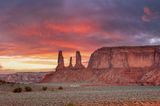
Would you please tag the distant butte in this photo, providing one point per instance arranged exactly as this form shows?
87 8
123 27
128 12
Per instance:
130 65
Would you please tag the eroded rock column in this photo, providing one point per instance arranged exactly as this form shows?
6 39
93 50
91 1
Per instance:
78 64
60 61
70 63
157 58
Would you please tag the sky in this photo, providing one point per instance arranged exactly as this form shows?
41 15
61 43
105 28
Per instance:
33 31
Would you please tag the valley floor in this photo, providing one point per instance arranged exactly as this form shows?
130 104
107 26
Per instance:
76 95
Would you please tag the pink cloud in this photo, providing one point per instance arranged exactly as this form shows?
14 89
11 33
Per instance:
149 15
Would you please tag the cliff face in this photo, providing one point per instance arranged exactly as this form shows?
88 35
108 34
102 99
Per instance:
115 66
125 57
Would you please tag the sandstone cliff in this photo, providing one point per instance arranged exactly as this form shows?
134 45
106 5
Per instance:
125 57
115 66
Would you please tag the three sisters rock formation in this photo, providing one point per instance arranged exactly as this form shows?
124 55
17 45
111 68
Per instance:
112 65
77 66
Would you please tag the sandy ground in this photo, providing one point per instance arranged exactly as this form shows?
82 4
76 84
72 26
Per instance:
81 96
123 104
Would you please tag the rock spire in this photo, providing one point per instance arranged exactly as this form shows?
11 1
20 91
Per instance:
60 61
78 64
70 63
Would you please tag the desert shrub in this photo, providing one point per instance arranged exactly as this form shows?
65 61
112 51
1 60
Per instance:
17 90
2 82
44 88
60 88
28 89
70 104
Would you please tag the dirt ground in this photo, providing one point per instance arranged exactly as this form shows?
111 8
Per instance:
78 95
136 103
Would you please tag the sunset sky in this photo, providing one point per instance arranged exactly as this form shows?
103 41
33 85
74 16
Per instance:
32 31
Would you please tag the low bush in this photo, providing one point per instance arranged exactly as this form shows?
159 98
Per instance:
70 104
17 90
28 89
44 88
2 82
60 88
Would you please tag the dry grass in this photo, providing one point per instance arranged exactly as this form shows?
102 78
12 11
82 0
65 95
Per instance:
84 96
140 103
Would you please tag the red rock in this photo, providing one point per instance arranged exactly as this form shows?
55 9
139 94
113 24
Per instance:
151 78
70 64
115 66
78 64
60 61
125 57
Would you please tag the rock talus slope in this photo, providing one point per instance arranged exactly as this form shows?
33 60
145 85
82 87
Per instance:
115 66
23 77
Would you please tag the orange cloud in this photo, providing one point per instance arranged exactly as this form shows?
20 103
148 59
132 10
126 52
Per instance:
49 28
71 28
1 67
28 30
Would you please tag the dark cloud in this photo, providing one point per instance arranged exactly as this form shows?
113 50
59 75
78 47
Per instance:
42 26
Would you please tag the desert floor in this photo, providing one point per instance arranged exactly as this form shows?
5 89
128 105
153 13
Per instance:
78 95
